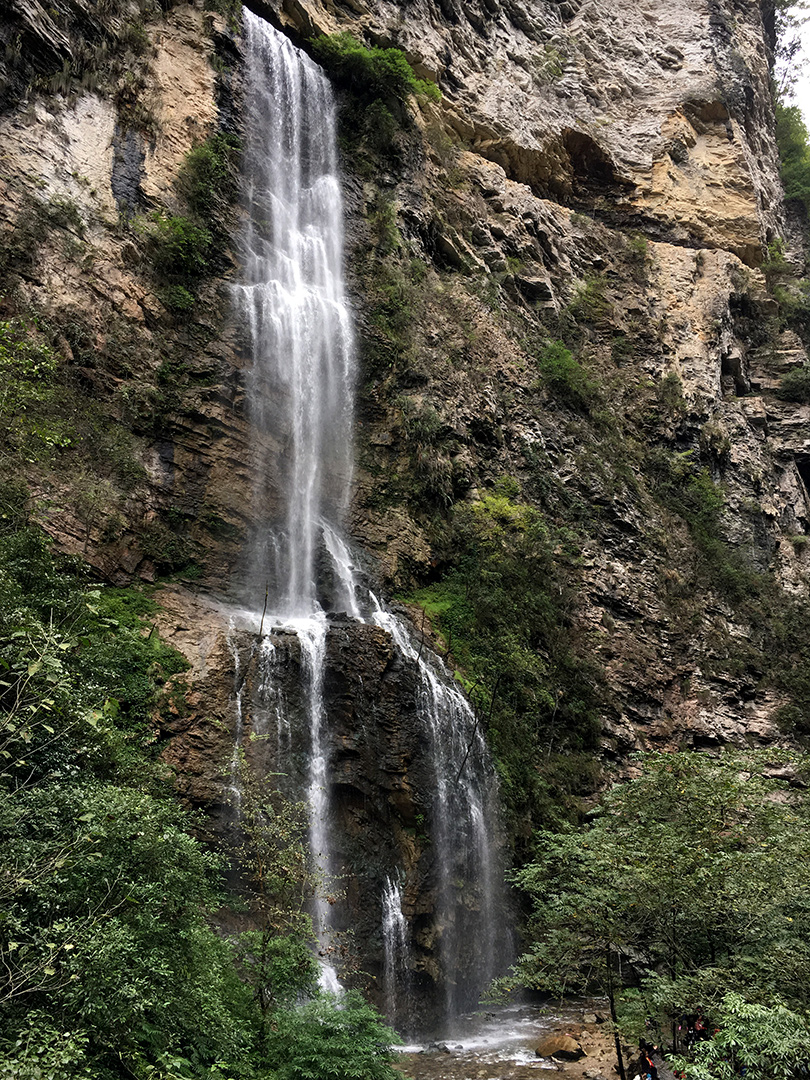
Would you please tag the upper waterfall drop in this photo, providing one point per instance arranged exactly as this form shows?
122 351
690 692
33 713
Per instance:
300 384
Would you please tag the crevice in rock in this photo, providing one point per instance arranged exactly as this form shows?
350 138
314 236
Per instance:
127 170
803 469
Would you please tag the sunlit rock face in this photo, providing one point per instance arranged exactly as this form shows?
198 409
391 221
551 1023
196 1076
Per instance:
662 110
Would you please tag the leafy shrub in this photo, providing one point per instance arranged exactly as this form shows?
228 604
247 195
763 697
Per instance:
566 378
230 9
383 223
31 421
209 178
795 386
590 303
394 291
793 297
185 248
637 255
775 263
687 488
169 549
342 1039
179 247
380 127
794 150
547 64
370 72
670 393
176 298
432 468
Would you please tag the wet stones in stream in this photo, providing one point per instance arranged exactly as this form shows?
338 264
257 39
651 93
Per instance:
503 1045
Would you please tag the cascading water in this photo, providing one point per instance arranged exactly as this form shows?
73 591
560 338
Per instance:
301 375
465 811
292 302
299 568
395 944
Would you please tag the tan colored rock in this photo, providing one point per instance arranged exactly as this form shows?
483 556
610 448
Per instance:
182 98
560 1047
704 192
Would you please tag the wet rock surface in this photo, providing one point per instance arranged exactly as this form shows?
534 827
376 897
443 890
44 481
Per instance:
382 773
499 1043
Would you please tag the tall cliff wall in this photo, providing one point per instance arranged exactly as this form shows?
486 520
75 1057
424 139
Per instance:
606 180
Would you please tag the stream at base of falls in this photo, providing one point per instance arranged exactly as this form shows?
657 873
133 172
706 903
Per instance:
498 1043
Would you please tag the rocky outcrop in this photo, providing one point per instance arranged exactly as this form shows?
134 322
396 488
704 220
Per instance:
76 169
634 149
662 117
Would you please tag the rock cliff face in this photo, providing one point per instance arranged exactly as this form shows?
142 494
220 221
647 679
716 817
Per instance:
608 177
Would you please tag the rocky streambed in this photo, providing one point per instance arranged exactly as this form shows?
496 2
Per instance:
501 1044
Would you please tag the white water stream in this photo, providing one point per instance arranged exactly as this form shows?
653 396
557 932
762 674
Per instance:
292 302
300 390
395 944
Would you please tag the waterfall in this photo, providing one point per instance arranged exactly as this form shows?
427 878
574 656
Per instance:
300 378
465 808
395 946
292 302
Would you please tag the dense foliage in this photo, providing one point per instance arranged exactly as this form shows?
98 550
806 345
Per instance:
794 150
502 608
795 386
185 248
370 72
685 892
375 85
565 376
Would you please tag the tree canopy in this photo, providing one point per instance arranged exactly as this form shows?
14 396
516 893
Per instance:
687 890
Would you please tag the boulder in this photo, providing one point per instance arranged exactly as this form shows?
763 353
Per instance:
561 1047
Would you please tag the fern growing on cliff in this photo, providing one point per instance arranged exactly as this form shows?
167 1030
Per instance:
370 73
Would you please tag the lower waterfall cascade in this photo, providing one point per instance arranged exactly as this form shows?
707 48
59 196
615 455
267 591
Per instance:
427 901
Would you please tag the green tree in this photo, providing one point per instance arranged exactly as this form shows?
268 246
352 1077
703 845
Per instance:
794 151
109 964
340 1038
106 928
276 958
766 1042
689 882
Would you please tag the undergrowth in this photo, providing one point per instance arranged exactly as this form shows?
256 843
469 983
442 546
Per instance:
503 607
